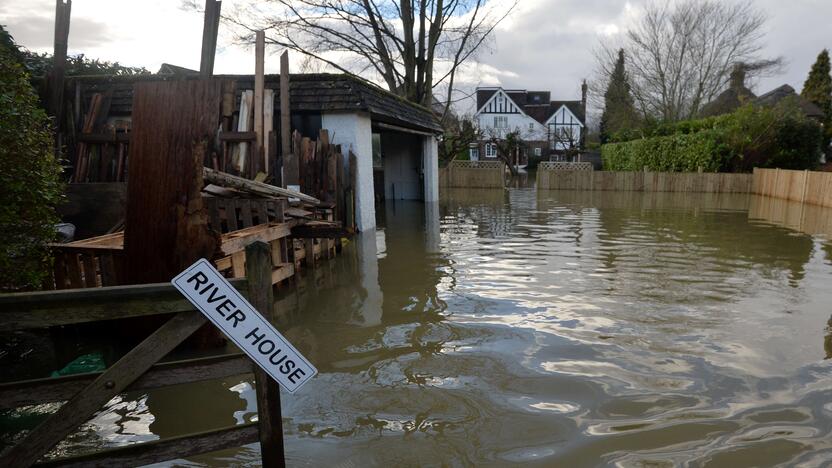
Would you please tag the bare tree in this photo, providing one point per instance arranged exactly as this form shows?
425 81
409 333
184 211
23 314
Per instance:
566 142
680 55
509 147
412 45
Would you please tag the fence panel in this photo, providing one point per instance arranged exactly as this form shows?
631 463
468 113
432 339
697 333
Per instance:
801 186
476 174
638 181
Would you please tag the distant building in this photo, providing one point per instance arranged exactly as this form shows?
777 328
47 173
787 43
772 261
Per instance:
738 95
549 128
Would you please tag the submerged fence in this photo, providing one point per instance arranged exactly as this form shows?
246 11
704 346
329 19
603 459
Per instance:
638 181
473 174
139 369
810 187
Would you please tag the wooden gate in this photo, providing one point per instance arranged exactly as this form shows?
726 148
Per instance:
138 369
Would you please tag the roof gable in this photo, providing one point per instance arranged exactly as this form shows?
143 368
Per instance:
563 113
500 102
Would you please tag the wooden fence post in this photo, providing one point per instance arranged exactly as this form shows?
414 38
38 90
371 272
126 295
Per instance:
270 419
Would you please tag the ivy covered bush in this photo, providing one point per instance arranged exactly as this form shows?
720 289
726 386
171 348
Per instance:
752 136
30 186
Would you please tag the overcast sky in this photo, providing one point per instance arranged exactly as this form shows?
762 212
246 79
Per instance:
543 45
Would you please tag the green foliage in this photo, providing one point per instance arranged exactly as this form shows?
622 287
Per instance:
457 139
619 108
41 64
779 136
674 153
29 179
818 89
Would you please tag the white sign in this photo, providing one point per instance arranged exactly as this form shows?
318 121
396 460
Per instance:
203 285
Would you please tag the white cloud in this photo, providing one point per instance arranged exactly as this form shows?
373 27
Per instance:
543 44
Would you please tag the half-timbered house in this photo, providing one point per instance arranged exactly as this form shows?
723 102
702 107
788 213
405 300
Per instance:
553 129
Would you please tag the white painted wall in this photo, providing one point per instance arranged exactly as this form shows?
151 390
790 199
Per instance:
354 131
430 166
529 128
563 118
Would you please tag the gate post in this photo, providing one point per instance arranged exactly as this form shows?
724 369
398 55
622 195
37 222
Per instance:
270 419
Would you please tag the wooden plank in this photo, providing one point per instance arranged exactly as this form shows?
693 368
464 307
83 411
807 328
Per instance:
90 274
241 150
166 449
231 214
40 309
238 240
73 266
210 28
282 271
109 275
238 264
270 420
245 212
258 188
290 161
298 212
309 250
236 137
268 131
166 225
318 230
109 384
259 88
53 389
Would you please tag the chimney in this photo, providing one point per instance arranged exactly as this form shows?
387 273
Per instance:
738 76
583 94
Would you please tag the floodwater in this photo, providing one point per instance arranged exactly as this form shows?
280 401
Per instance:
546 329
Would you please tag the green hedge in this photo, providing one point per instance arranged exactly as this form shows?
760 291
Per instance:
750 137
29 178
675 153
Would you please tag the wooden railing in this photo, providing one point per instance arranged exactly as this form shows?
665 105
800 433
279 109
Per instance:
138 369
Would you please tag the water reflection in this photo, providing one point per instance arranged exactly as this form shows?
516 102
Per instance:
503 327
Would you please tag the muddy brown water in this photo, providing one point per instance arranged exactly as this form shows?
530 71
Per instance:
556 329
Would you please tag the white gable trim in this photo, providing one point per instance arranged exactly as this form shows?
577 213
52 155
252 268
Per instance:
574 119
510 106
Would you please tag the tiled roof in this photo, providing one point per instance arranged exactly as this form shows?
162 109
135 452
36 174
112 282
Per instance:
308 92
773 97
541 113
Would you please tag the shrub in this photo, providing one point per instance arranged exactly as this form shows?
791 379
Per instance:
779 136
29 179
675 153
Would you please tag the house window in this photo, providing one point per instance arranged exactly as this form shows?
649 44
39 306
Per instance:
537 151
531 126
474 154
500 121
490 150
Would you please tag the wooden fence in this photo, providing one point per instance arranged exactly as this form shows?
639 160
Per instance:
473 174
137 370
638 181
810 187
